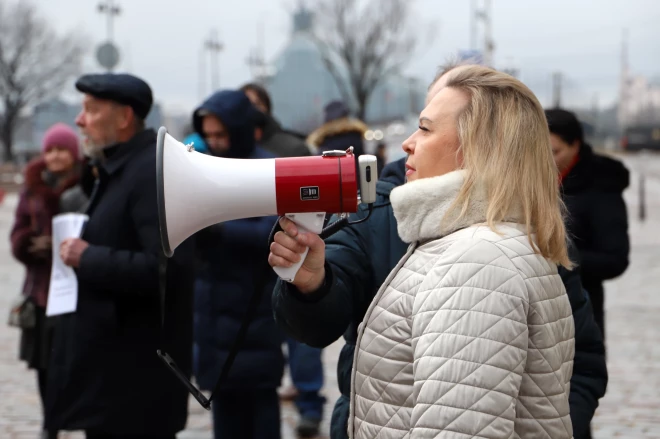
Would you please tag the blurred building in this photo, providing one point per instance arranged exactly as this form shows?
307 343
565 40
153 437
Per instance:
301 84
641 104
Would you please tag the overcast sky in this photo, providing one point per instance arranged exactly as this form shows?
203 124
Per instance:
160 40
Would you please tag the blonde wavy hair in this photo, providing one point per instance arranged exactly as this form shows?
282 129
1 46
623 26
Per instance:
505 143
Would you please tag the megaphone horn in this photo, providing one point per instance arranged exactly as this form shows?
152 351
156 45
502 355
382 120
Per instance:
197 190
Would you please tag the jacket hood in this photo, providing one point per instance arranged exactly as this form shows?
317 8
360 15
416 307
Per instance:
335 128
237 114
597 171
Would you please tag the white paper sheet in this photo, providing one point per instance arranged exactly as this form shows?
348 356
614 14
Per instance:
63 289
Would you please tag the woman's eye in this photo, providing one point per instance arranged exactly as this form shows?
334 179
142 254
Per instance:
423 128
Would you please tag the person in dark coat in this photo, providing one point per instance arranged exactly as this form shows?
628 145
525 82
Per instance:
273 137
106 377
339 132
358 258
232 257
592 188
305 362
47 177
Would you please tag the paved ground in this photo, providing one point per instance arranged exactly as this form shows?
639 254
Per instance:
631 408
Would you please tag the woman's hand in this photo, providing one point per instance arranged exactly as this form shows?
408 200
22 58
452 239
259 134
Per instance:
40 245
287 249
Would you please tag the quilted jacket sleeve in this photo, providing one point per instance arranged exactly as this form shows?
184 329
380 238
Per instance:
469 339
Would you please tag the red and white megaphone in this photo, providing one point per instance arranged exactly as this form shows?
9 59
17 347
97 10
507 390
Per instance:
196 190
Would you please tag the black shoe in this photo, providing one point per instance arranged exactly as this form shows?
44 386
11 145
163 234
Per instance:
48 434
308 427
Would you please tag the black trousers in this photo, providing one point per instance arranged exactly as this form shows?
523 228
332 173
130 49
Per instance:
246 414
42 380
598 304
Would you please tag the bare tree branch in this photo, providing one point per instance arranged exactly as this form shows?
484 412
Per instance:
35 63
370 39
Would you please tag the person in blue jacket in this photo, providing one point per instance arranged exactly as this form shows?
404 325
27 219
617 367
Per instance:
232 258
358 258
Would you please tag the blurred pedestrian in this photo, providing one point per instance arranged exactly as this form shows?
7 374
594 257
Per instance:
46 178
592 188
305 363
274 138
339 131
106 377
231 260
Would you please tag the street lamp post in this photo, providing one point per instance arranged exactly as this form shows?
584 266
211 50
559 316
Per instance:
214 46
107 53
112 9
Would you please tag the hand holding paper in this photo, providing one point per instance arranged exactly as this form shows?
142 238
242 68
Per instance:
71 250
66 248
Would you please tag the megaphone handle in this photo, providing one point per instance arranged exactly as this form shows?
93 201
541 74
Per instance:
306 223
288 274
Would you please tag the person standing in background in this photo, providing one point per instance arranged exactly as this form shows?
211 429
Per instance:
231 269
305 362
274 138
106 377
339 132
592 188
46 178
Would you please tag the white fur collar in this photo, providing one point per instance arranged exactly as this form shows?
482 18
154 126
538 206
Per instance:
420 207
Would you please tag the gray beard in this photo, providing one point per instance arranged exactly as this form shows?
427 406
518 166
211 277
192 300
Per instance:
95 151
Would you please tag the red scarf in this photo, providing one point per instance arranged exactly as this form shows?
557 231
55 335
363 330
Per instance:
563 174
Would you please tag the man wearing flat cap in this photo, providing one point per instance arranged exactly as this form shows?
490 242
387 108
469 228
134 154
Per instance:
107 378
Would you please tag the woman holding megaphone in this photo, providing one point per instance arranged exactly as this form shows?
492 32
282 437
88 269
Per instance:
472 332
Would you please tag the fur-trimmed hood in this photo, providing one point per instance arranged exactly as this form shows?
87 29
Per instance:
336 127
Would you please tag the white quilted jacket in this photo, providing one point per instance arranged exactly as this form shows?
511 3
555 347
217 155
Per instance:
470 336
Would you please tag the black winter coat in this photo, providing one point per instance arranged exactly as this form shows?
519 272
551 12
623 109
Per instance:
233 263
233 259
359 258
280 142
598 220
105 375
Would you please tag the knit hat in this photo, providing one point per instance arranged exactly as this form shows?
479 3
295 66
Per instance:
63 136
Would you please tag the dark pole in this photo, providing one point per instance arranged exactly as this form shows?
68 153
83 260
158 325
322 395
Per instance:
642 197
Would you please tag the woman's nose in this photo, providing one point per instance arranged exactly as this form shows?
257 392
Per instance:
408 145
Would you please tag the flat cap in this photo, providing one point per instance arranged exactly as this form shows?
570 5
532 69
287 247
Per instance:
119 87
